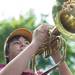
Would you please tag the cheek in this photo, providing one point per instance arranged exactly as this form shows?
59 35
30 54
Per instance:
14 50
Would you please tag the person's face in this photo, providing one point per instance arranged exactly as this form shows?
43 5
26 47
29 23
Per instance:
16 46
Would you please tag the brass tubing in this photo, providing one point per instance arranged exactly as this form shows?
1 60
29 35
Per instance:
61 60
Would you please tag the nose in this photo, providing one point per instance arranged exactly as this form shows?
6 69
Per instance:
22 46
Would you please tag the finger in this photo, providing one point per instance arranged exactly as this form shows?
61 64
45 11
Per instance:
43 28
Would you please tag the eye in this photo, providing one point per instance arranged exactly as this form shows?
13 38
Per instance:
27 42
16 42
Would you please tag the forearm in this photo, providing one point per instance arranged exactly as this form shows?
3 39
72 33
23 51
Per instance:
19 63
63 67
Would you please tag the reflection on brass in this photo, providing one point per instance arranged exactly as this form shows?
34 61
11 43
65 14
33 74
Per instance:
67 16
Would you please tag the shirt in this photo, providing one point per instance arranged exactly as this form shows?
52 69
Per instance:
24 73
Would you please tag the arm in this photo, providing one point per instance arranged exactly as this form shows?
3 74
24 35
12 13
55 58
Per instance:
19 63
63 67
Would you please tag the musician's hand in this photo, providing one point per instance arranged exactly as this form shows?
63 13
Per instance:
54 45
40 34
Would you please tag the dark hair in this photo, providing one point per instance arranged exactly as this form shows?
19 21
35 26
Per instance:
6 52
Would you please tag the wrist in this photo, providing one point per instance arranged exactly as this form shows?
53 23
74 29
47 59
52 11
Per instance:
36 43
56 57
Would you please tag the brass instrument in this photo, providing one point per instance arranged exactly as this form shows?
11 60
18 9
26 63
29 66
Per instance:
65 23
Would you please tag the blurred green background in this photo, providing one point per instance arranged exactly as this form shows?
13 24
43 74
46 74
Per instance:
29 22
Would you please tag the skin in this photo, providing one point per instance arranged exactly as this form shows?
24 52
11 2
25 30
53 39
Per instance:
17 46
63 67
19 64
